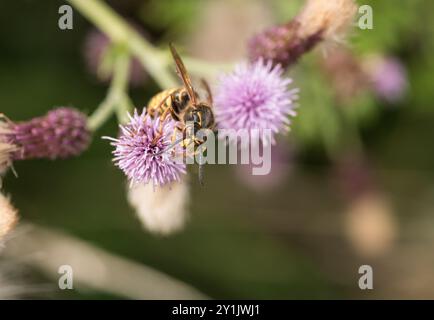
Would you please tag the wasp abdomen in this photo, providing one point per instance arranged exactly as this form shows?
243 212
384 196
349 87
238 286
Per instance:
161 102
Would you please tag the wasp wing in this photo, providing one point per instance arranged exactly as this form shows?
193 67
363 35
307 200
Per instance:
182 72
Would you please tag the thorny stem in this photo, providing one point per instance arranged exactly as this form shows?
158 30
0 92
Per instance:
157 62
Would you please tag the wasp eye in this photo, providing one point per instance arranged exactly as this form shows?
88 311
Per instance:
185 98
190 116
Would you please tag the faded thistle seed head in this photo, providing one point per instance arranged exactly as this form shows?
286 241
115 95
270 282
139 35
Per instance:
161 210
8 216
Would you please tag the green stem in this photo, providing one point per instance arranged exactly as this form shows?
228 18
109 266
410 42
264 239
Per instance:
154 60
116 99
120 32
125 106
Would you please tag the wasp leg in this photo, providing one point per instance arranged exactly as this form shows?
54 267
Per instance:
175 133
165 112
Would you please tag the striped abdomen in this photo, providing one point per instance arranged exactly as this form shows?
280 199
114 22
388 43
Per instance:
156 106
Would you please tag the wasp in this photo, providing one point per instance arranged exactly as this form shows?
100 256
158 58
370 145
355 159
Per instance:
184 105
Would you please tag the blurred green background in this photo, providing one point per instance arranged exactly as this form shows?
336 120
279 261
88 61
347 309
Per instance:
289 241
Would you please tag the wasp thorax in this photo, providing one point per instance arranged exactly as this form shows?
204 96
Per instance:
180 101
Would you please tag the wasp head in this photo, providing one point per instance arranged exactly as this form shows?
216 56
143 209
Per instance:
201 116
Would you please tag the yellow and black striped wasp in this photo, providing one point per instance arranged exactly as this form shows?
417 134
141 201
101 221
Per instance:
184 105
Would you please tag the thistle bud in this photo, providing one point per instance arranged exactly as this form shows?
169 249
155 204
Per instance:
61 133
282 44
319 20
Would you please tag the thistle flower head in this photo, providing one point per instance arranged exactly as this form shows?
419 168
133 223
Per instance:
61 133
255 96
136 150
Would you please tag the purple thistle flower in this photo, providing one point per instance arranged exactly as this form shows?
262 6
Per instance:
62 133
255 96
136 148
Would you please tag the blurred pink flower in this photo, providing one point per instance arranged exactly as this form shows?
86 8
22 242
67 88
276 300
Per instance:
281 167
389 78
95 47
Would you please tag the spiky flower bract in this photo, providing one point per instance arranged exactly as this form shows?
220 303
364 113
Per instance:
136 150
281 44
255 97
